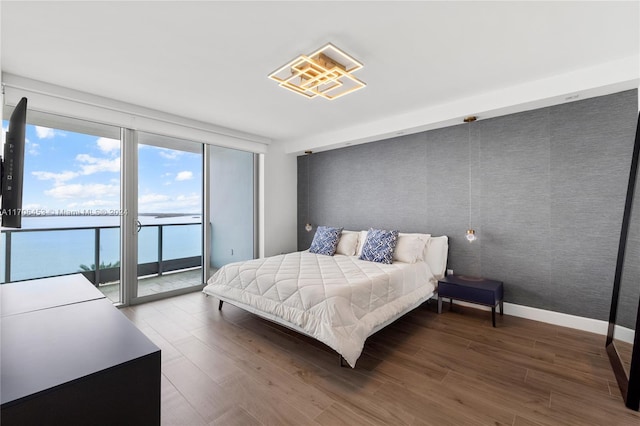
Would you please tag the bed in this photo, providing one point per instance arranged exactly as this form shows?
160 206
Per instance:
337 299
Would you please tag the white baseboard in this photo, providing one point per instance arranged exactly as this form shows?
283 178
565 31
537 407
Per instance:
558 318
624 334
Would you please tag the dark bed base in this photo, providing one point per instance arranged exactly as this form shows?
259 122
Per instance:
341 360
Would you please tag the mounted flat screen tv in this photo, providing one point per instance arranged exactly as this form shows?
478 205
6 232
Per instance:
12 167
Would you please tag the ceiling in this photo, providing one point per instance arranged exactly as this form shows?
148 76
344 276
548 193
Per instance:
209 60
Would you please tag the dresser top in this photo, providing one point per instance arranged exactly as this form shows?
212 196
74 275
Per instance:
33 295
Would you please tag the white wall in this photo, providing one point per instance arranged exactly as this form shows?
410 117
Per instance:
278 223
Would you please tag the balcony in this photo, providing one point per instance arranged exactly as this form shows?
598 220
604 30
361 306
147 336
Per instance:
169 256
156 284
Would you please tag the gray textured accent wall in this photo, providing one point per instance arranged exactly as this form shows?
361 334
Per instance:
544 190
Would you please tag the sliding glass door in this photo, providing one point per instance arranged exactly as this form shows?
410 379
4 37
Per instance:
181 186
71 204
169 216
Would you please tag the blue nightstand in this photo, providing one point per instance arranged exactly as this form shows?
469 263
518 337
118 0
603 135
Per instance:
472 289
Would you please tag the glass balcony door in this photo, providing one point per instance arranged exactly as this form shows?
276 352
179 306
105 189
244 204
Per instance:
71 205
169 216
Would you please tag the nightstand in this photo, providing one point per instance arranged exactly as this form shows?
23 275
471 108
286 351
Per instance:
477 290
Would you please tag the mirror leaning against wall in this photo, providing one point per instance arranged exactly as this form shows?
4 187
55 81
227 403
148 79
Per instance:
623 336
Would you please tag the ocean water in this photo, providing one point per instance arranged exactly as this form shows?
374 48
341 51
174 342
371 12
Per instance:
38 251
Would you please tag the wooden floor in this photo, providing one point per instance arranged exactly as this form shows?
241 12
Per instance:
231 368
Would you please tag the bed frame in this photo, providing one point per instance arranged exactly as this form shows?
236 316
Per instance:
294 327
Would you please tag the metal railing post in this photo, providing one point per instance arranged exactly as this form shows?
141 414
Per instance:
96 257
160 227
7 257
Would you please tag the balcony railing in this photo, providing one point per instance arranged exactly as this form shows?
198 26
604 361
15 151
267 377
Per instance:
46 252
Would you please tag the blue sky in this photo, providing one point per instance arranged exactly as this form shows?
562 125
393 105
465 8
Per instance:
77 172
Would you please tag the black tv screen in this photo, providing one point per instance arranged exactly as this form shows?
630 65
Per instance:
13 166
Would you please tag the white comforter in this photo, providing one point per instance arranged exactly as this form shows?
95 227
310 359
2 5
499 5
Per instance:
339 300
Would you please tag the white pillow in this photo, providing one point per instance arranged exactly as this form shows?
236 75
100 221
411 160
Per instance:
436 255
362 237
348 243
410 247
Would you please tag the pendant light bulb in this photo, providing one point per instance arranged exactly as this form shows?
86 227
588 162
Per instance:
471 235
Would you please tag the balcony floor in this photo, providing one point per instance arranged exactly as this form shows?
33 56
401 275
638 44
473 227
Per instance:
156 284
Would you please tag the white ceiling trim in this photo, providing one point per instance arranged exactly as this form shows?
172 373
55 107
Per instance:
53 99
607 78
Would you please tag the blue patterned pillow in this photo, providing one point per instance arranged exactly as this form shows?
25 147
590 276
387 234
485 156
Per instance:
325 240
379 246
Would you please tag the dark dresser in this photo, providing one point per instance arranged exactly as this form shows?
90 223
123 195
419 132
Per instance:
69 357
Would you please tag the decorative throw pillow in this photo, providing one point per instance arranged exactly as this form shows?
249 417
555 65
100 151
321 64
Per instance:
325 240
379 246
348 243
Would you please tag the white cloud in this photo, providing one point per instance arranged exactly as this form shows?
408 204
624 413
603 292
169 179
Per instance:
152 198
86 158
44 132
32 206
95 165
83 191
108 145
154 203
94 205
58 178
169 154
97 203
186 175
32 148
189 200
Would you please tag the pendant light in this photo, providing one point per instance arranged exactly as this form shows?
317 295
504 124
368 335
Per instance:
471 233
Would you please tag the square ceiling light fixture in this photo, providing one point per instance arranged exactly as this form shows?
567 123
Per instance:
327 72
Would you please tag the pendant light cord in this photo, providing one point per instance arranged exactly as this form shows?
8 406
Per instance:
471 235
469 143
307 225
308 187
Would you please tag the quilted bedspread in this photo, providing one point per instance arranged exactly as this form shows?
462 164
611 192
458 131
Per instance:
339 300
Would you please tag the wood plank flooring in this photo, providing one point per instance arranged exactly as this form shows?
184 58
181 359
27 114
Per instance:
230 367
